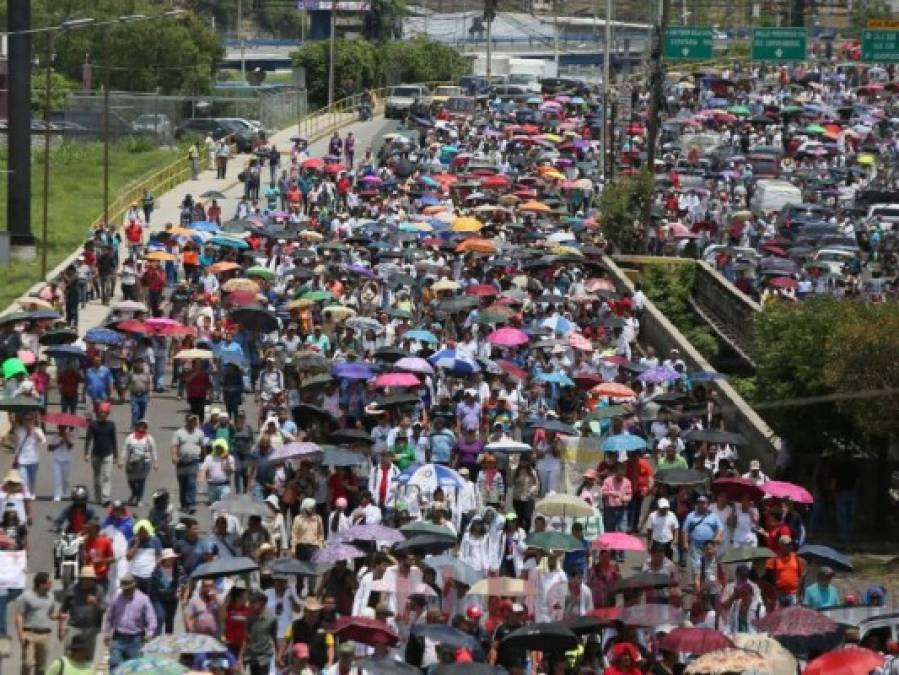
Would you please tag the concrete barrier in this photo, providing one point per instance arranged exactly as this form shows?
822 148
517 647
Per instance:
739 416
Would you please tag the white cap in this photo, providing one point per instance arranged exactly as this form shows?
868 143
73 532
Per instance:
518 607
663 503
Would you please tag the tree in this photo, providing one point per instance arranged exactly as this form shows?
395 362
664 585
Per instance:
60 86
621 206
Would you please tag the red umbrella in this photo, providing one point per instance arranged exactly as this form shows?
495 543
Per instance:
312 163
692 640
609 614
784 490
336 167
774 249
133 326
481 290
784 282
735 487
845 661
496 181
242 298
587 380
618 541
365 630
796 621
615 359
598 284
172 331
65 420
513 370
529 129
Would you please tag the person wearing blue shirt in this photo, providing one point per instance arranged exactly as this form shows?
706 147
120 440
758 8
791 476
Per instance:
98 382
700 526
576 561
822 594
441 442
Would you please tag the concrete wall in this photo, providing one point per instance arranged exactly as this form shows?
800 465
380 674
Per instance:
658 331
727 305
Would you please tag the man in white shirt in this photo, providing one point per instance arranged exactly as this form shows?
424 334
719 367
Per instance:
662 527
755 473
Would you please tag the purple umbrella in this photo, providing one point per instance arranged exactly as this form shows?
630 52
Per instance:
334 552
295 449
659 374
374 180
564 161
354 370
414 364
279 214
373 533
362 271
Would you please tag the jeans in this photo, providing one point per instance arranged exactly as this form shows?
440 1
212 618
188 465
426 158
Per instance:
137 485
844 507
69 404
102 470
187 486
62 469
107 288
138 408
524 508
217 491
9 596
124 648
614 518
166 609
29 473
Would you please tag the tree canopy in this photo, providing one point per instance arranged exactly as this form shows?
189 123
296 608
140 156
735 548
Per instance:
621 207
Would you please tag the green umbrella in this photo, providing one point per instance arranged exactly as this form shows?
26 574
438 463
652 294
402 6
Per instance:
13 367
747 554
814 129
738 110
424 527
554 541
317 296
489 318
316 381
400 314
332 246
789 109
261 272
18 404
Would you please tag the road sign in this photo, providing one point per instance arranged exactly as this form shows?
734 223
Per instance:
689 42
779 44
880 46
888 24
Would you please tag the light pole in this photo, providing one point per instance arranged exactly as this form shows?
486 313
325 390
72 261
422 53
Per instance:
48 71
332 52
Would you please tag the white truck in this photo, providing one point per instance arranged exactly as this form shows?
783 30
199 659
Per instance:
529 72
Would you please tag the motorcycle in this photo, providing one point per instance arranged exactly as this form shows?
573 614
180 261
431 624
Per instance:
67 557
364 112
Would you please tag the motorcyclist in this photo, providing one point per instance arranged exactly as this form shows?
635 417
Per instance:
73 517
365 103
162 516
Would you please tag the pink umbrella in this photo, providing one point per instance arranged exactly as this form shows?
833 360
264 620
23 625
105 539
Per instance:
414 364
783 490
162 321
618 541
578 341
679 230
508 337
397 380
26 356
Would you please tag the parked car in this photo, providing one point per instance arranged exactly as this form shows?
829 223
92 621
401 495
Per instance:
512 92
218 128
402 97
153 123
833 259
443 93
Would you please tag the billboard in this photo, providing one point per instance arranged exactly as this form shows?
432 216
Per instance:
327 5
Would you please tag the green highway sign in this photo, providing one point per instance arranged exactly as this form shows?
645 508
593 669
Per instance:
779 44
689 42
880 46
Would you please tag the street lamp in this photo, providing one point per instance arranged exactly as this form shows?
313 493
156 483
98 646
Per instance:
74 24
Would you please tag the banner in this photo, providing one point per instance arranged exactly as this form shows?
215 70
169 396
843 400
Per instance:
13 565
342 5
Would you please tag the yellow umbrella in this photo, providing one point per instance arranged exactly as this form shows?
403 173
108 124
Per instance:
563 505
445 285
554 175
501 586
566 250
534 207
553 138
476 246
339 312
727 661
240 284
865 159
466 224
161 256
191 354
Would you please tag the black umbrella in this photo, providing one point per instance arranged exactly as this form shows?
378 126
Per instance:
44 314
254 318
342 458
715 436
668 398
66 352
350 437
398 400
551 298
15 317
457 304
680 477
555 425
391 354
224 567
442 634
426 543
384 666
305 410
213 194
544 637
19 404
642 580
60 336
473 668
584 625
824 555
294 567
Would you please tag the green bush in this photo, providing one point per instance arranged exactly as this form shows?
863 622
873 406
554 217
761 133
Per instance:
621 207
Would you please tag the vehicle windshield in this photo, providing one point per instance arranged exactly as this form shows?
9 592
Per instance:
460 104
522 78
406 92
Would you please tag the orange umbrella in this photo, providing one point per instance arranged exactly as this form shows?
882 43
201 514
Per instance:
161 256
476 246
445 178
182 232
431 210
535 207
613 390
224 266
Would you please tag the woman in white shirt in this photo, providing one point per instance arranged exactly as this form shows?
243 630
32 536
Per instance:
61 445
475 548
29 442
746 519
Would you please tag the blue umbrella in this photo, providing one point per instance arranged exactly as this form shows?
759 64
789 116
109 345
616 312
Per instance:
706 376
430 200
623 443
556 378
428 477
229 242
204 226
352 371
103 336
449 361
430 182
362 270
825 555
559 324
421 335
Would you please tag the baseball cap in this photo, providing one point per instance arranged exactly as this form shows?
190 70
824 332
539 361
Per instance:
663 503
517 607
511 515
755 465
702 498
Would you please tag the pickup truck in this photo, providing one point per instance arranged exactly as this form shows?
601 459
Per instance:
445 92
402 98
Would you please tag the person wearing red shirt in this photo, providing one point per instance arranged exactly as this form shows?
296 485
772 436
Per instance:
154 280
639 473
343 483
624 660
97 551
214 213
196 385
68 380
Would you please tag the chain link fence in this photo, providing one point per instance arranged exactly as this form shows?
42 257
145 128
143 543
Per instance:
163 120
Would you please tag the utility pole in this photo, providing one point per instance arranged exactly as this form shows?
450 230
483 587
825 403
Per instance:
656 95
556 34
106 83
332 52
489 16
45 202
243 60
18 177
606 75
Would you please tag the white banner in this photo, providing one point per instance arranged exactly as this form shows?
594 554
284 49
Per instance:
13 565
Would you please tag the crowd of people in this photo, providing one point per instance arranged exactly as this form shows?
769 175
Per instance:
424 423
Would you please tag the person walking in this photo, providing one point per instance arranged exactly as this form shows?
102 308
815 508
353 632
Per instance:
222 154
197 384
165 586
29 443
83 606
187 446
37 617
193 155
61 444
101 450
129 620
139 452
148 203
140 382
216 471
98 382
262 636
79 659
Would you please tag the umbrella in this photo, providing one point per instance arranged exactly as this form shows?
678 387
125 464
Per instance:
241 505
350 436
364 323
416 528
728 661
425 543
156 665
19 404
507 445
801 629
414 364
12 367
623 443
253 318
60 336
556 378
554 541
66 352
373 532
397 380
65 420
384 666
503 586
364 630
747 554
613 390
442 634
641 581
224 567
183 643
651 615
103 336
554 425
845 661
462 668
453 568
316 380
303 411
680 477
225 241
240 284
544 637
31 303
294 567
334 552
421 336
342 458
780 661
448 360
564 506
260 272
508 337
161 256
735 487
824 555
784 490
715 436
618 541
693 640
658 375
191 354
354 370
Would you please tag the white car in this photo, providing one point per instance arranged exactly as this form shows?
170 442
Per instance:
834 259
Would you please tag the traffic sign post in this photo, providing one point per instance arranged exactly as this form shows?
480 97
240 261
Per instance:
684 43
779 44
880 46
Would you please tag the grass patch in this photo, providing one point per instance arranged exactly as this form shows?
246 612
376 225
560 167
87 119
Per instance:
76 199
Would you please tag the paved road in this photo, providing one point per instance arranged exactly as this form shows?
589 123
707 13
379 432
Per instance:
165 412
